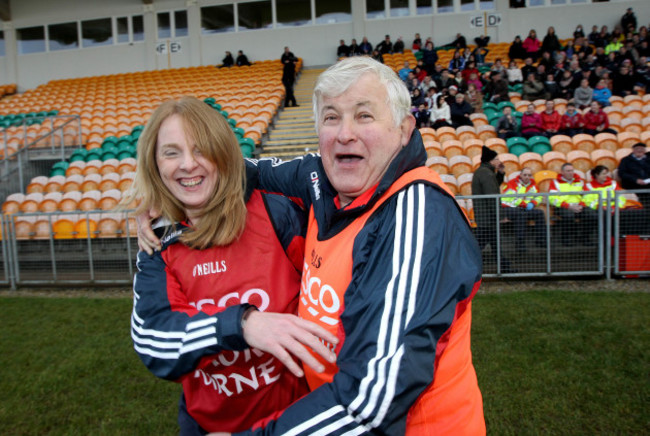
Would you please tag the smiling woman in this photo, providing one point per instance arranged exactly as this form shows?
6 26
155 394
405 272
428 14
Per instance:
225 252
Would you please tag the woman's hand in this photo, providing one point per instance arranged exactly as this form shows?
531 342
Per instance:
147 240
284 335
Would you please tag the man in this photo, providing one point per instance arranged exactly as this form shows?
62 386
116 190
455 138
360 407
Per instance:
460 111
628 21
497 88
487 180
385 47
343 51
398 47
242 59
404 72
572 122
571 207
634 171
507 125
288 76
387 238
521 210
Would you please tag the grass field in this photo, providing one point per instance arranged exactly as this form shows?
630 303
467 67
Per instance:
548 362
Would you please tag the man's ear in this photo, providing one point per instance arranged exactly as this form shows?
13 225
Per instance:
406 127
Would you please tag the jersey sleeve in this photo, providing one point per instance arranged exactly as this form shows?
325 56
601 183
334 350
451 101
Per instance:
171 342
295 178
290 224
416 267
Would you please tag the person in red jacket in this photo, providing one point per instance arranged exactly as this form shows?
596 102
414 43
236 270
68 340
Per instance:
520 210
596 120
572 122
551 119
531 123
223 249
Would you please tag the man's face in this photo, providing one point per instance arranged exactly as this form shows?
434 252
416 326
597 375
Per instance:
358 137
638 151
567 172
525 176
507 110
549 106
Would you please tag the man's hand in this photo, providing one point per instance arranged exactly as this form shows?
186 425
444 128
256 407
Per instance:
282 335
575 208
147 240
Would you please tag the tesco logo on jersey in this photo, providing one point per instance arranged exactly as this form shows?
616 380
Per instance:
255 296
320 298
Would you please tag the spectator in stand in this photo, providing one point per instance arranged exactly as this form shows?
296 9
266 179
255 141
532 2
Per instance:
514 74
623 81
430 97
422 116
533 89
531 123
417 42
227 61
419 73
354 47
376 55
416 99
497 88
385 47
602 181
365 48
470 67
459 43
521 210
571 207
289 61
398 47
413 82
642 76
579 32
551 44
532 45
566 85
474 96
343 51
481 51
596 120
551 119
487 180
602 93
613 46
457 63
507 125
517 50
572 121
242 60
634 171
460 111
429 57
594 36
628 20
528 67
404 72
440 115
547 61
498 67
551 86
451 93
583 94
446 79
643 49
426 84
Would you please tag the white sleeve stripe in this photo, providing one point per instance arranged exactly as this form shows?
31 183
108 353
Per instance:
156 354
315 420
419 249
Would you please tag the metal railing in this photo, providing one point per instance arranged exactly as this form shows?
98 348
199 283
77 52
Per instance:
78 248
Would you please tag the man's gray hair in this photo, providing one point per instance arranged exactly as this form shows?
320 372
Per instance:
339 77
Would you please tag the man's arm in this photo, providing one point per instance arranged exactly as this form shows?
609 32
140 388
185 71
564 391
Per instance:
416 267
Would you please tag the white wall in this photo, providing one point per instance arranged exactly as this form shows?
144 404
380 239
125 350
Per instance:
315 44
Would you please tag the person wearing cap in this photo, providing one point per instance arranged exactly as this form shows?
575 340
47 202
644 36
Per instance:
497 88
634 171
487 180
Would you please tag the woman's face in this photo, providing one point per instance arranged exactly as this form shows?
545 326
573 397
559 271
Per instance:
594 107
602 176
190 177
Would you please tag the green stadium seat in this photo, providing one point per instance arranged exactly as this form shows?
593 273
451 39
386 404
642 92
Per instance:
517 145
503 104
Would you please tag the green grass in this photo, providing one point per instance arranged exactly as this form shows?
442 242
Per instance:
548 363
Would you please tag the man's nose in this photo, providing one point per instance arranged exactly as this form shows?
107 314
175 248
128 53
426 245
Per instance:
346 131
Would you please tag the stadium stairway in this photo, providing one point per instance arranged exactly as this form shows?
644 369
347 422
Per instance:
292 133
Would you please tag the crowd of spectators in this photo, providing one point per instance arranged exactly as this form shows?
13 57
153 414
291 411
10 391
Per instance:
585 70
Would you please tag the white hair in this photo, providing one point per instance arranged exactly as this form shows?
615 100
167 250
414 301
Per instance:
339 77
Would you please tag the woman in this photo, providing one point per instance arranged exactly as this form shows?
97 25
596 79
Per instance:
516 50
514 73
531 123
551 43
416 99
457 63
474 96
193 318
579 32
532 45
440 115
602 181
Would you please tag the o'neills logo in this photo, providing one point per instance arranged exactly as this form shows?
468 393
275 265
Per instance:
314 183
203 269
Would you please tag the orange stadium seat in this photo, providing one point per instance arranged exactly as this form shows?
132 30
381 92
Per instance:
465 133
55 184
465 183
544 178
562 143
460 164
606 141
510 161
50 202
37 184
24 227
635 112
531 160
621 153
451 182
604 157
645 137
91 182
109 181
433 148
553 160
497 144
452 147
64 226
12 203
617 101
30 202
108 225
439 164
584 142
472 147
486 132
479 119
445 134
89 200
84 227
110 199
69 202
632 125
626 139
580 159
